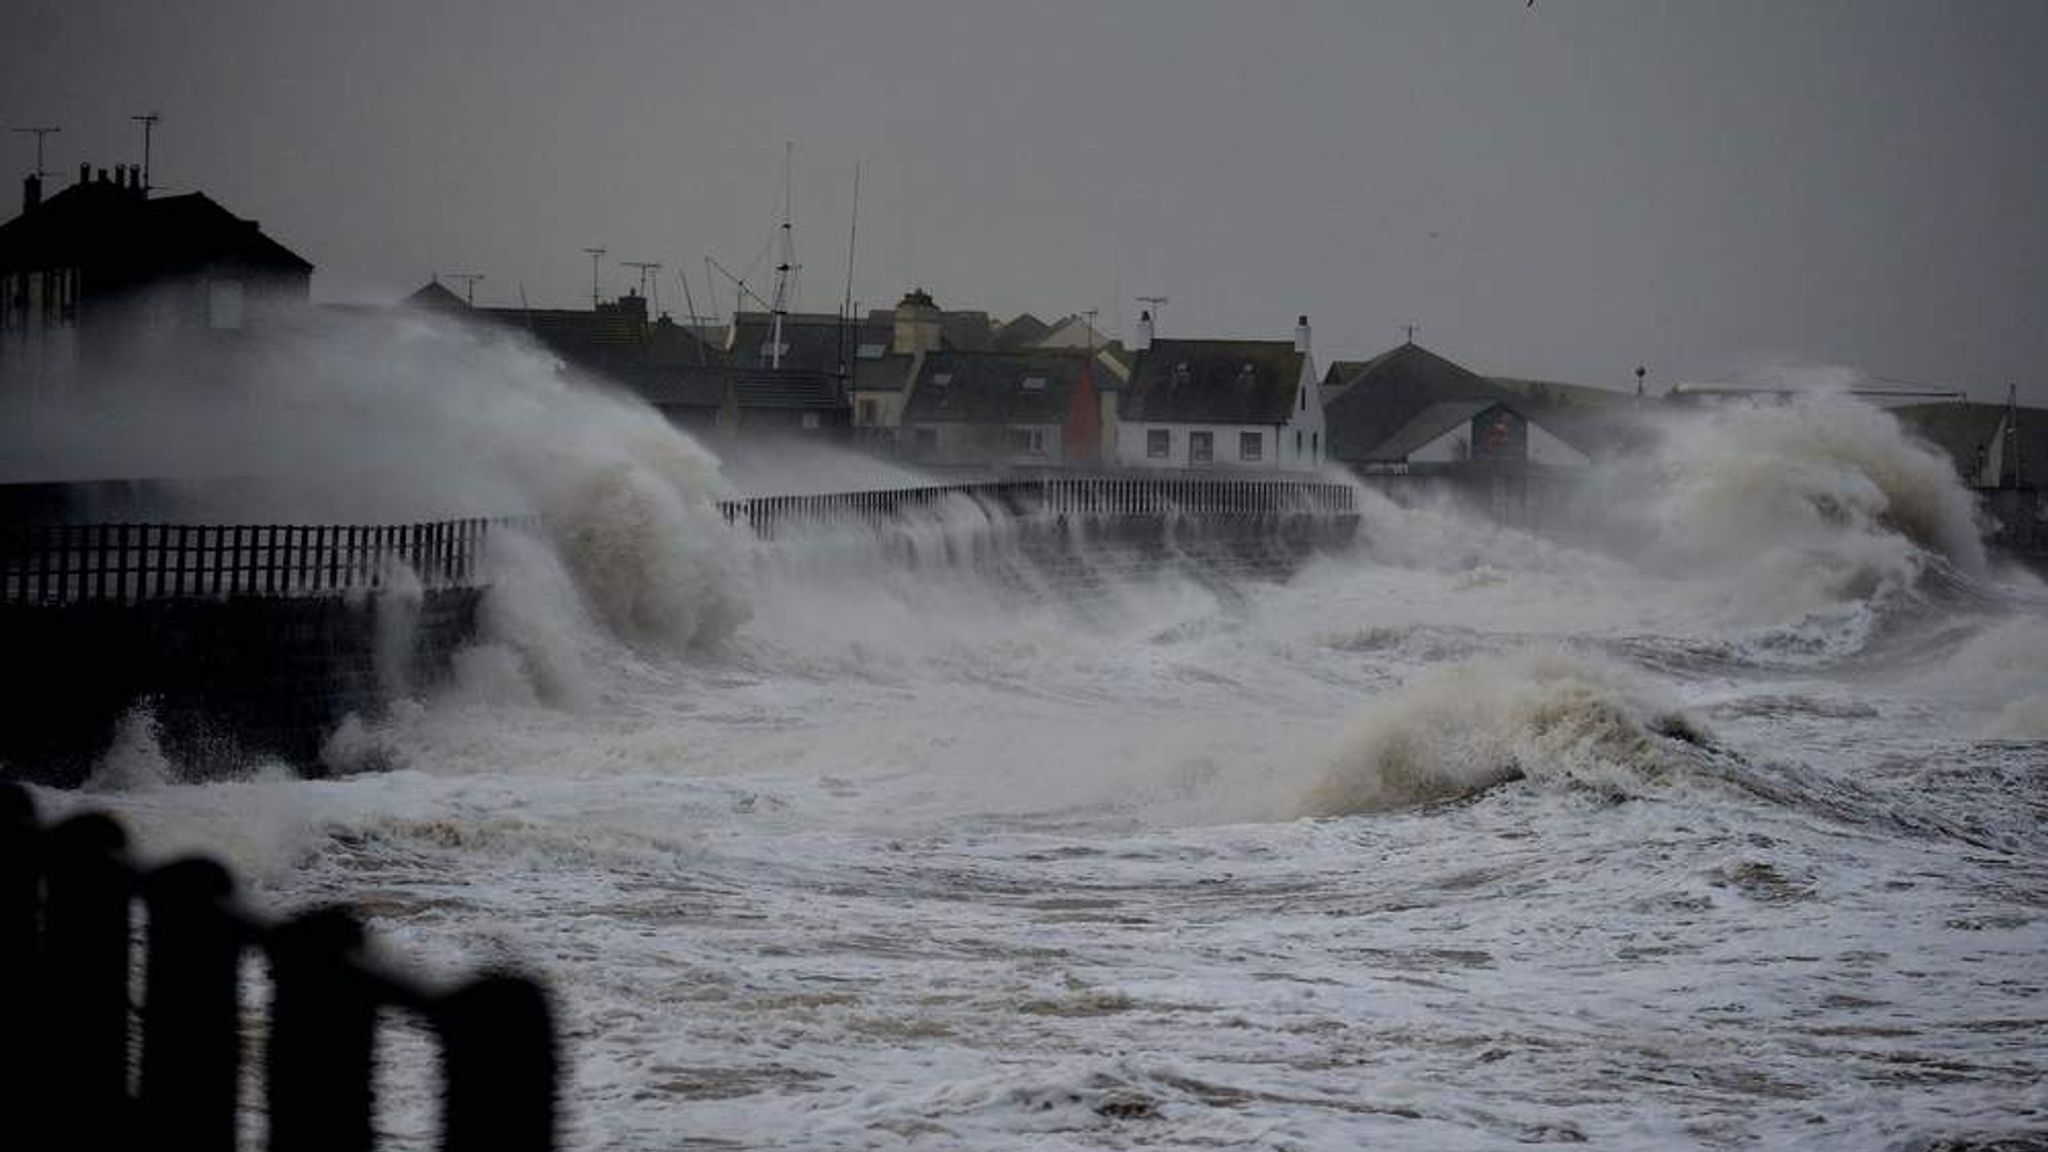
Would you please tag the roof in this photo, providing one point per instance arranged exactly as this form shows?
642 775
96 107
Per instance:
1562 392
436 296
814 340
1213 382
1390 390
753 388
1029 387
1965 430
119 236
1021 332
1426 426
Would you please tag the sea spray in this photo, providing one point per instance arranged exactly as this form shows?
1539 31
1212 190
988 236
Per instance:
1543 713
1789 506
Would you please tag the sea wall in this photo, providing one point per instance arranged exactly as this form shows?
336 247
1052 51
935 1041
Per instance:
229 682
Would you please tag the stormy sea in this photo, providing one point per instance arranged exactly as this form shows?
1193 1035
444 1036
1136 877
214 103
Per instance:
1720 820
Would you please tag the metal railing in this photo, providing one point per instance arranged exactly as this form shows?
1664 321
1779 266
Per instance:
1060 496
127 563
87 1062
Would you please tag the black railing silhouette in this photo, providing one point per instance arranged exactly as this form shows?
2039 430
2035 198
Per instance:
128 563
1059 497
88 1064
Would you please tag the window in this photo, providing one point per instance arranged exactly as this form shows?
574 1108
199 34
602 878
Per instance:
1250 446
1027 441
1201 447
1158 443
942 378
871 351
1297 441
224 305
1315 446
1034 383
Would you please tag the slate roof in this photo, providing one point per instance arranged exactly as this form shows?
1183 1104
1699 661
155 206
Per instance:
119 236
816 340
1021 332
1427 425
1389 390
1212 382
435 296
989 388
754 388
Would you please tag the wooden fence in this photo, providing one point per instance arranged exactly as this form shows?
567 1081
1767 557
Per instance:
85 1063
127 563
1060 496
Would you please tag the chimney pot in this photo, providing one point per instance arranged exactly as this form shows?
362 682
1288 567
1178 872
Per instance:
84 173
1301 335
103 177
1142 339
31 193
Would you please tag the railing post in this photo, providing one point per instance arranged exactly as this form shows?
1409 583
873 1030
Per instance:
191 1024
322 1037
82 998
498 1067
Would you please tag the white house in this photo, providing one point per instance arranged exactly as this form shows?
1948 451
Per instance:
1222 405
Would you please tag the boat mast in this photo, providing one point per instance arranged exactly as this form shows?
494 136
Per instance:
784 268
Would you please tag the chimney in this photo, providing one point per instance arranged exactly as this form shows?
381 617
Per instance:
120 176
31 193
103 177
1301 335
1143 339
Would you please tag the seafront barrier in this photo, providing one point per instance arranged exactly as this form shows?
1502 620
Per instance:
86 1063
239 641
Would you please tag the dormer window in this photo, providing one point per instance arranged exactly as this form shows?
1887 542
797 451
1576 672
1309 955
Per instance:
1034 383
942 378
871 351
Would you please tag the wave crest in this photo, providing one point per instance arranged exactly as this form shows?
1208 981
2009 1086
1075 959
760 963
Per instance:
1542 714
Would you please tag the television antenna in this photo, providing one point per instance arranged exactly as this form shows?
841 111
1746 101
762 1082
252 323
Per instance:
466 279
39 133
785 266
595 255
646 267
148 121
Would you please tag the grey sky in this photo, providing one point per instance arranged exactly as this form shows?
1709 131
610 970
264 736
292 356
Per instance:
1562 191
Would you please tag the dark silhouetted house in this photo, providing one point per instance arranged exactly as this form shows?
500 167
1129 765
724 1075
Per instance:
1033 408
1409 409
1219 404
102 271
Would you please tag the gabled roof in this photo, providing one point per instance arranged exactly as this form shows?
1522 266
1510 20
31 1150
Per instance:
1426 426
1022 332
816 340
435 296
1390 390
119 236
1029 387
1213 382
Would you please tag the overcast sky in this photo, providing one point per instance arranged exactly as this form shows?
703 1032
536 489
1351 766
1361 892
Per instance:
1564 190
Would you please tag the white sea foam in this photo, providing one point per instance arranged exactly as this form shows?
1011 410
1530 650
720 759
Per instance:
1546 714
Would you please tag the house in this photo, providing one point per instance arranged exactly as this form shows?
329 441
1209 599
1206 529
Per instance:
1031 408
1219 404
1409 409
102 271
1993 445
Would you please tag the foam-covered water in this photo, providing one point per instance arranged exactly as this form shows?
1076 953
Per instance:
1723 828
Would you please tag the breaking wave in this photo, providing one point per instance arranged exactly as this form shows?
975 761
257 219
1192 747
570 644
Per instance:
1544 714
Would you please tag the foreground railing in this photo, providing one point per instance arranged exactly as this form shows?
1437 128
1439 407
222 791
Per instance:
126 563
1061 496
85 1063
